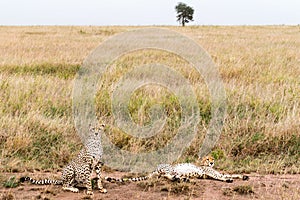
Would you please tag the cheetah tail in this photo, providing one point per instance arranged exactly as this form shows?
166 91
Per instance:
41 182
141 178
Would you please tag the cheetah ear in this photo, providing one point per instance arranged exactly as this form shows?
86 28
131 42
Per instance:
91 128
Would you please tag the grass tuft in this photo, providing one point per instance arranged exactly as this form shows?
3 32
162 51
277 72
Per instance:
243 189
11 182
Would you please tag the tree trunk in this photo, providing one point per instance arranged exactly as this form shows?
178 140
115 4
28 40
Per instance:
183 21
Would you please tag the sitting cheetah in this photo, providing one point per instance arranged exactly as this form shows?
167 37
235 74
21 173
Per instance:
184 171
80 169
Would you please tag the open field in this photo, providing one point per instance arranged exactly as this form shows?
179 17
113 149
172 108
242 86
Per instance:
285 187
259 66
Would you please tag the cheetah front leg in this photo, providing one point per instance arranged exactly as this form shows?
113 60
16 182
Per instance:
88 182
98 169
214 174
237 176
68 177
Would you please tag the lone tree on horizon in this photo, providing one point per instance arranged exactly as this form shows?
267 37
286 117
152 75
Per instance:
184 13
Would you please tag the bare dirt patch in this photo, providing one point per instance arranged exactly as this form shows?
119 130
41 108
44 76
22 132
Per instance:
258 187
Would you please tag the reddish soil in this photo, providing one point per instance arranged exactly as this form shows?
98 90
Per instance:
257 187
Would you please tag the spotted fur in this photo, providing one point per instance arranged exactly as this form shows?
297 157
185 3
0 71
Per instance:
80 169
184 171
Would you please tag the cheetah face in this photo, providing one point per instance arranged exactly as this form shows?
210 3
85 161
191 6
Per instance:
208 161
97 130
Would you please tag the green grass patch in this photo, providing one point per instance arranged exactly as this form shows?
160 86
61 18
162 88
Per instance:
59 110
11 182
65 71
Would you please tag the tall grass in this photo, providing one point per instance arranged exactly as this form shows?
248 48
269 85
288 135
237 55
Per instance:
259 67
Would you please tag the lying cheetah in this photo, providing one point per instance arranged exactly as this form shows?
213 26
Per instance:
80 169
184 171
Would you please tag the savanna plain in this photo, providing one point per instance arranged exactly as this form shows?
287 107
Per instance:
258 65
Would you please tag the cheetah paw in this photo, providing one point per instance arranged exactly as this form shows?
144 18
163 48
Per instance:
103 190
229 180
71 189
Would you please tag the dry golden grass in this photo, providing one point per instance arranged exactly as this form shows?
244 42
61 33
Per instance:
259 66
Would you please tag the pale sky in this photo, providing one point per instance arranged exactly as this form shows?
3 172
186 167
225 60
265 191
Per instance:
147 12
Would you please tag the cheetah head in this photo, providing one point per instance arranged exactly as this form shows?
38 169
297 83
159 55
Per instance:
208 161
97 130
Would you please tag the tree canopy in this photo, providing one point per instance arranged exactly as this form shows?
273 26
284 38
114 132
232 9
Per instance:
184 13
